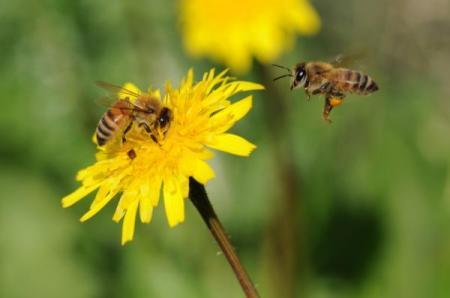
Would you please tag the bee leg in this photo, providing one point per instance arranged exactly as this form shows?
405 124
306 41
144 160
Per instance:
147 128
326 88
327 109
337 94
127 129
331 101
308 95
149 131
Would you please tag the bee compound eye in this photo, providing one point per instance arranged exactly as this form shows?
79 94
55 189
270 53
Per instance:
164 117
163 121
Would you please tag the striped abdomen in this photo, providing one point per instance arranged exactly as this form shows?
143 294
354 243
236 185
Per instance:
356 82
112 121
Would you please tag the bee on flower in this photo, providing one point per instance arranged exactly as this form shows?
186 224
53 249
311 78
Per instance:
149 146
143 110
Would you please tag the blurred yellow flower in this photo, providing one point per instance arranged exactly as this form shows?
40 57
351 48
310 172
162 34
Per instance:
202 115
232 32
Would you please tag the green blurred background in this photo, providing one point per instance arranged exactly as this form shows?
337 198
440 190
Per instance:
359 208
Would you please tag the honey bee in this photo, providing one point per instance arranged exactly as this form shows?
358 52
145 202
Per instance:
325 78
145 111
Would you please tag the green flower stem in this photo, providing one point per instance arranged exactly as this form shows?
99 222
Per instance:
199 198
286 231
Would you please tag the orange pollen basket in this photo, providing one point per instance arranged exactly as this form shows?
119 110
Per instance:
335 101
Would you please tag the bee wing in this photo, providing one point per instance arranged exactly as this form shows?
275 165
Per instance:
105 101
348 59
116 91
109 101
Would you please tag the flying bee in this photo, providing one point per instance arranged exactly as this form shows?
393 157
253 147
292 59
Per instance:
325 78
145 111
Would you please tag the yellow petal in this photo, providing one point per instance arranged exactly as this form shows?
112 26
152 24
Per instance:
269 42
118 214
240 61
203 172
205 154
218 99
155 190
94 138
240 108
77 195
189 79
225 119
145 205
247 86
305 18
101 193
149 192
210 75
213 81
130 87
232 88
173 201
120 209
154 93
98 206
129 222
184 187
91 173
232 144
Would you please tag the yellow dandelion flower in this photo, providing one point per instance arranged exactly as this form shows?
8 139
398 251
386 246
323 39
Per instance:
202 115
233 32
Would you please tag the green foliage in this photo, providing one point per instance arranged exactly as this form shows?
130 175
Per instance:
371 207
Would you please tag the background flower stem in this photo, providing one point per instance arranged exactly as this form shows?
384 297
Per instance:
285 232
199 198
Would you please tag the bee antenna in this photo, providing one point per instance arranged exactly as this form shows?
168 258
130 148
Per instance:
283 67
283 76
